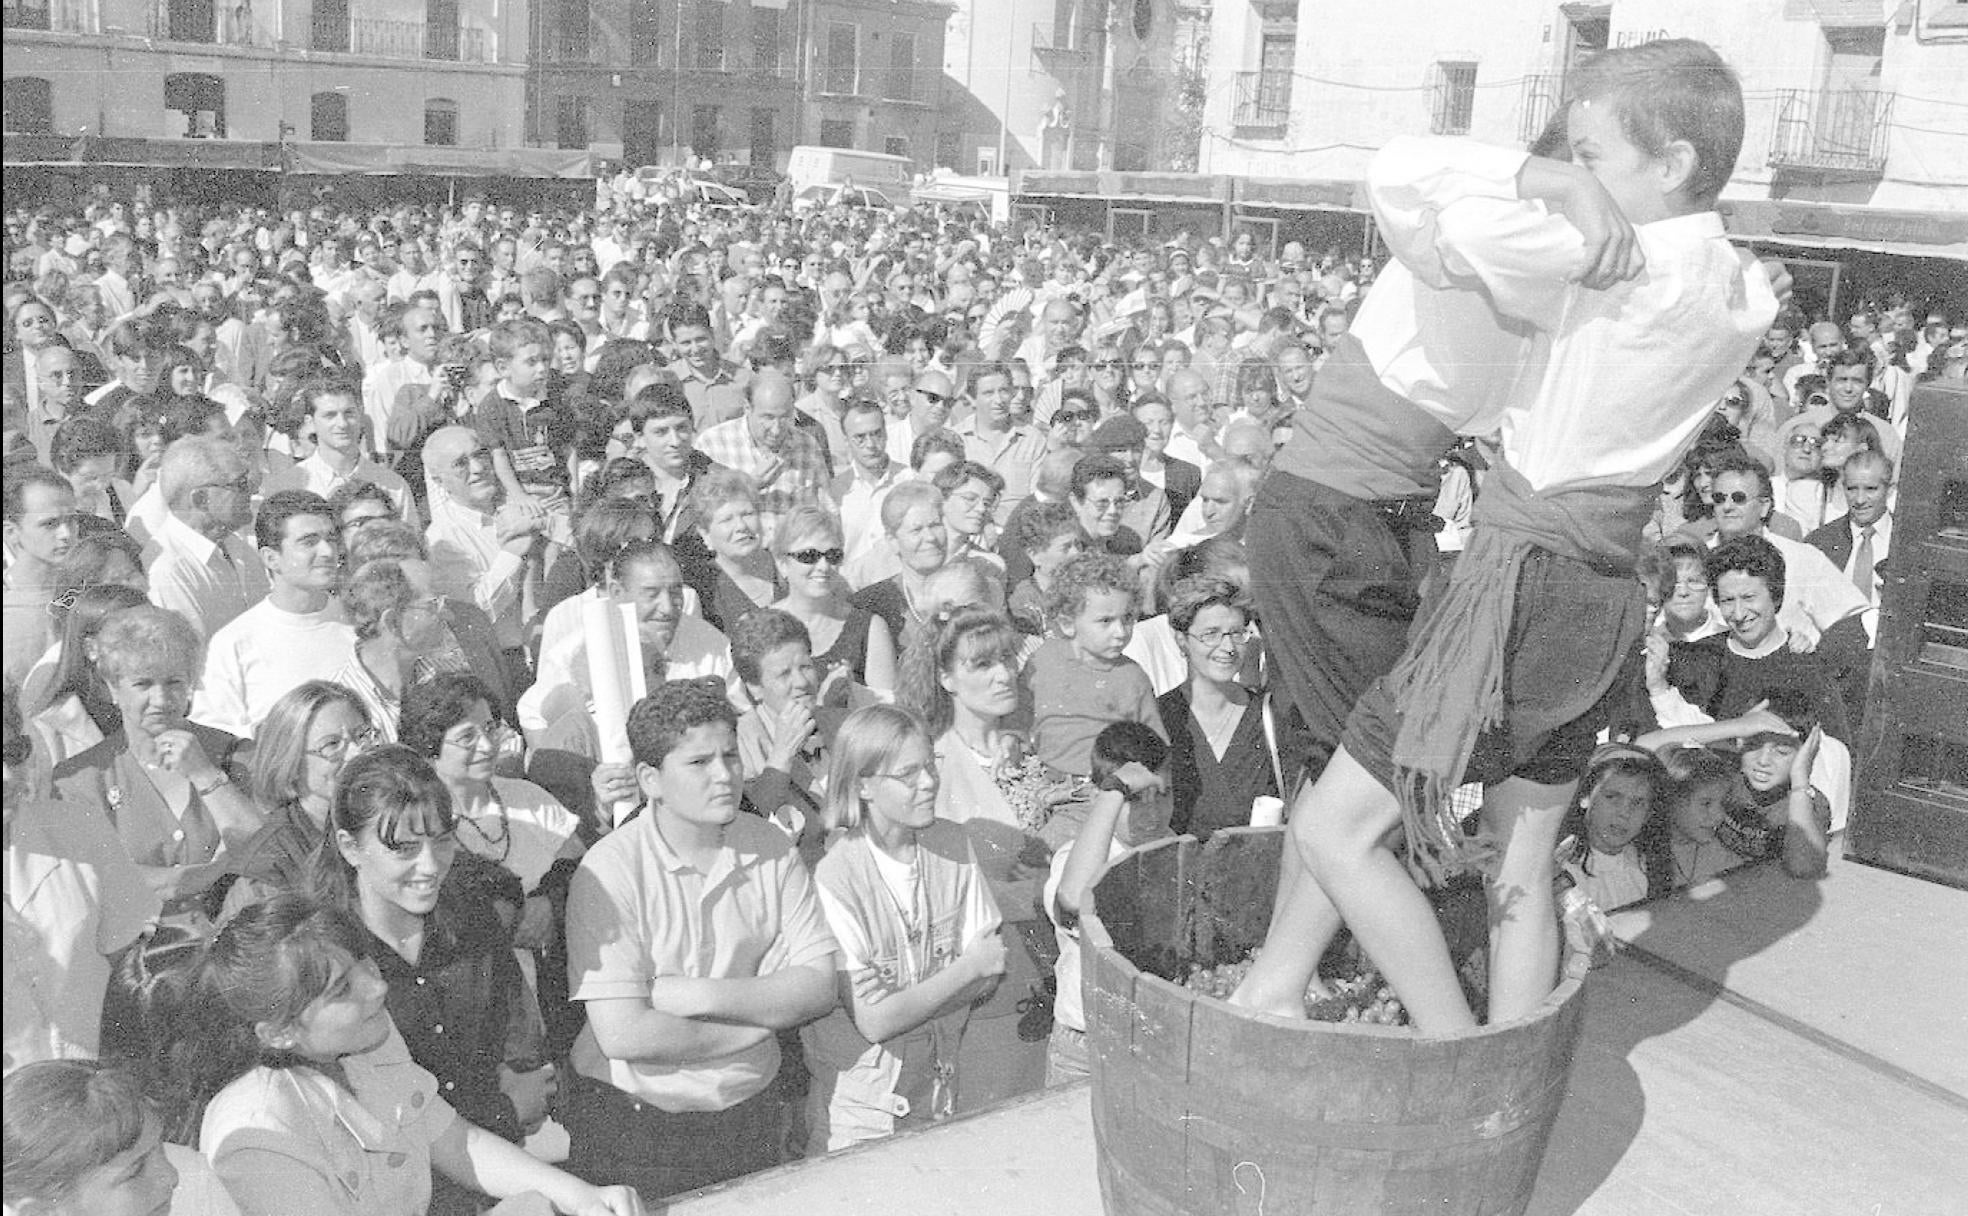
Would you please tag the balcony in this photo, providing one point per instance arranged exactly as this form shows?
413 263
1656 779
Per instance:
1055 49
204 21
573 46
1831 135
1543 94
397 39
1263 101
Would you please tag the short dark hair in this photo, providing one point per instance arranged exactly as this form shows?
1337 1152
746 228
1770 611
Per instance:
660 720
80 439
1750 555
660 400
430 709
1125 742
1092 468
949 478
270 526
759 633
21 478
1735 460
1668 91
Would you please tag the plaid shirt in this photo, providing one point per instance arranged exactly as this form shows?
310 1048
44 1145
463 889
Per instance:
802 478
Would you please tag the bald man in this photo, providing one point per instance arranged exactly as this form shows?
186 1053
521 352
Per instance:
929 400
789 465
483 549
1194 438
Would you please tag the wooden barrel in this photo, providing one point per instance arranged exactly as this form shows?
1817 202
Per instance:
1201 1109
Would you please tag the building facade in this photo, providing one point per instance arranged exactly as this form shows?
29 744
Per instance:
384 72
876 76
1851 105
1072 84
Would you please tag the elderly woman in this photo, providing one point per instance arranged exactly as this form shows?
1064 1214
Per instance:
740 575
170 786
843 634
961 675
300 749
400 636
1222 754
912 517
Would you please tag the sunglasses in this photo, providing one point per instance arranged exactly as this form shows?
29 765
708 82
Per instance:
1737 497
812 557
1073 416
932 398
1805 441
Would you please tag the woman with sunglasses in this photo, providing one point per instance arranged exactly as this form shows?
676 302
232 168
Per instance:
308 736
809 553
1072 423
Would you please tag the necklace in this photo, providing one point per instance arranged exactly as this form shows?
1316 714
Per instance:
1687 873
503 841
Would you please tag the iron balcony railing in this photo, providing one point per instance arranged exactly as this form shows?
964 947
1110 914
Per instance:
396 39
1263 99
1834 129
210 23
1543 93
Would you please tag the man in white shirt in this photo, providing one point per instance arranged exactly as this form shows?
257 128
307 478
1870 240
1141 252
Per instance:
340 454
1858 543
366 299
859 490
1189 399
200 567
295 634
120 266
1817 595
929 408
386 384
483 549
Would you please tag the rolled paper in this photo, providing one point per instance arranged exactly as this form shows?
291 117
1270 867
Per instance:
1267 812
609 681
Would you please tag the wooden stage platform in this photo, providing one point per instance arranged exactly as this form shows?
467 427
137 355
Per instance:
1765 1048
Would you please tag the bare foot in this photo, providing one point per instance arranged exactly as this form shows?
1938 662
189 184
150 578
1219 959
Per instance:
1251 995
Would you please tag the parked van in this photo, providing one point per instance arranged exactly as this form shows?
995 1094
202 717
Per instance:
815 166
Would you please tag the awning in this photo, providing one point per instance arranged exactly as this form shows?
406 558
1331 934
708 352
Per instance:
938 192
337 159
120 152
1200 189
1926 234
1303 195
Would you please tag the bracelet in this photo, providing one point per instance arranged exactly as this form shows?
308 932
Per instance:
207 791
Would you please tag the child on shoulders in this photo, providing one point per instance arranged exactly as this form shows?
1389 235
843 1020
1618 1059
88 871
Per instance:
1080 681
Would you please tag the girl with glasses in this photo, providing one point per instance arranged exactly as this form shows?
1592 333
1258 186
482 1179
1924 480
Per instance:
918 936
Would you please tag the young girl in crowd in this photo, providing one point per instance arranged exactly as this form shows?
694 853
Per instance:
306 1099
918 937
454 992
1621 790
82 1140
1682 848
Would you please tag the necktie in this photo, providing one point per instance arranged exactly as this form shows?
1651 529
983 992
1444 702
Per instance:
1862 564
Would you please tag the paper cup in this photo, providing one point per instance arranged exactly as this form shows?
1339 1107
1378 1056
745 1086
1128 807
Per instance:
1267 812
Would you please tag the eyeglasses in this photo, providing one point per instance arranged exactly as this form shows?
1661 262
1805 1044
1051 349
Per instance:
1070 416
912 775
1737 497
1805 441
471 738
932 398
1211 639
332 750
835 369
1104 506
238 485
811 557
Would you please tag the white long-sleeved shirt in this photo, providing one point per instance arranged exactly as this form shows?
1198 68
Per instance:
1615 384
208 583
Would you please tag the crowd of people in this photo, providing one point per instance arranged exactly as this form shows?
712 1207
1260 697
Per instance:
328 889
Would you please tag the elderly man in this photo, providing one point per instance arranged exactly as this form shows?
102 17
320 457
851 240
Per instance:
785 461
1861 541
366 298
1060 324
483 549
202 568
295 634
55 375
929 400
1189 399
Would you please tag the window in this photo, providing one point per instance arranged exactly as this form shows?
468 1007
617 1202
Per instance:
765 39
837 133
30 105
571 36
330 28
843 59
189 20
440 29
704 131
26 15
765 136
642 132
1264 96
1453 98
895 145
570 121
901 68
328 117
201 99
645 32
441 122
708 33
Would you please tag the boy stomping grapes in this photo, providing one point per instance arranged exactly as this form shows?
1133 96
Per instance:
1615 387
